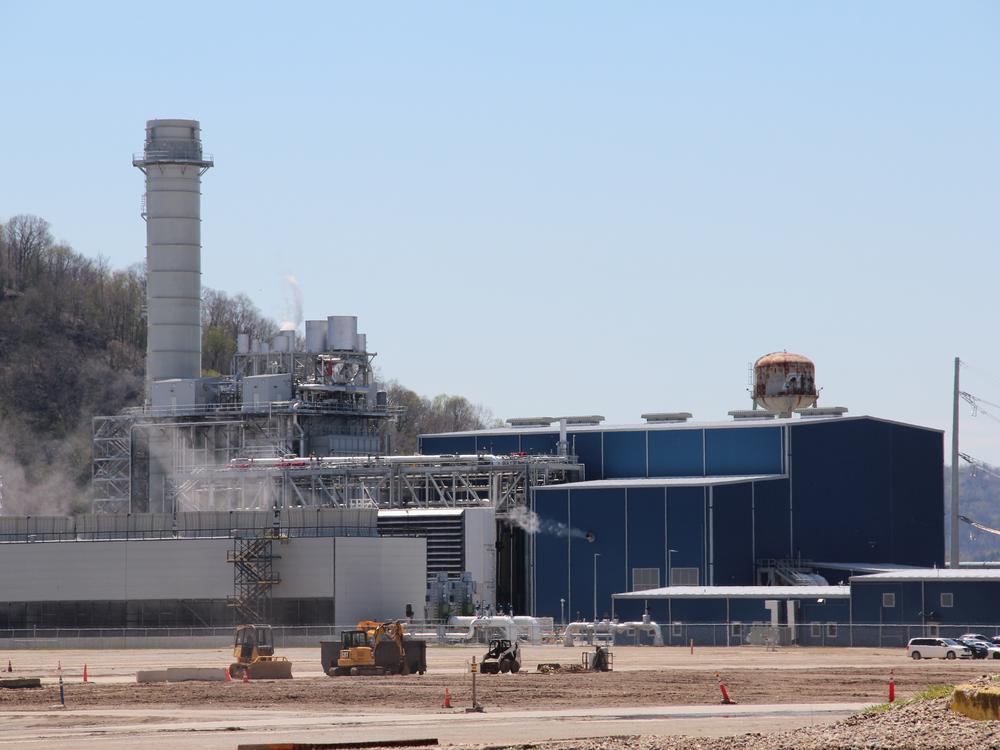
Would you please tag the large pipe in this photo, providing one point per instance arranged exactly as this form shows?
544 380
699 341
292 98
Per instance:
592 629
314 461
522 627
173 163
493 623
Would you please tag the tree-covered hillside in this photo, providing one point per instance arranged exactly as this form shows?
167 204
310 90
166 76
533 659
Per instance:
979 500
72 346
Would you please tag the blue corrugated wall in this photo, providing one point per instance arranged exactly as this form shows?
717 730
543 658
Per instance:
974 602
742 610
635 528
864 490
732 518
621 454
771 527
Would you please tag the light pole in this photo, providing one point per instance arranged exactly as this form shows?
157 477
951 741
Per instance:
596 555
562 612
670 558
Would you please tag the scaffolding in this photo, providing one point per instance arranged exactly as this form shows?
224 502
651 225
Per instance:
111 469
253 575
500 482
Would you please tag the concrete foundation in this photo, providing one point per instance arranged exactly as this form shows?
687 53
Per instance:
182 674
982 703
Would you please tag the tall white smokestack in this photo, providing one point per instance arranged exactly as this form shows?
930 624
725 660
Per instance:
173 164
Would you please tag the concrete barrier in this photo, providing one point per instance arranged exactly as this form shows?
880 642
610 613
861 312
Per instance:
977 702
15 683
182 674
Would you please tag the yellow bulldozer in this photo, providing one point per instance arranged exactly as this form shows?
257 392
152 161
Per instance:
254 654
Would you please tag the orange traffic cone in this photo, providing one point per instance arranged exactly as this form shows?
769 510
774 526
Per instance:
229 677
892 688
85 673
726 700
246 675
447 699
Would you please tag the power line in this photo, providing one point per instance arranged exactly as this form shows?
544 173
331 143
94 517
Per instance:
979 526
980 465
977 405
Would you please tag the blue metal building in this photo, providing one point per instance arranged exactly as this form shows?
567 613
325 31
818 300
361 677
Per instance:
725 497
948 600
724 615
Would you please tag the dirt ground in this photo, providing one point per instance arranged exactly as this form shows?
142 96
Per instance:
642 677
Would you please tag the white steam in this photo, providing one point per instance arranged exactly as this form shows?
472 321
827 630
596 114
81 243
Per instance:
533 524
293 304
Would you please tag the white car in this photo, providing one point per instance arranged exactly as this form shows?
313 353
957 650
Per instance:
992 649
937 648
977 637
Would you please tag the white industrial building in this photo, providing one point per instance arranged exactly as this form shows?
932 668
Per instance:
326 568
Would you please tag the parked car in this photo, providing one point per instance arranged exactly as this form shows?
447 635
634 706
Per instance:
937 648
978 637
980 649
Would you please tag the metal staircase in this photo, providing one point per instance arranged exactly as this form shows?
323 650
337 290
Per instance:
253 575
788 573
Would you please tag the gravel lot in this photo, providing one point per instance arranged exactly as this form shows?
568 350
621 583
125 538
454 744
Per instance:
927 725
642 677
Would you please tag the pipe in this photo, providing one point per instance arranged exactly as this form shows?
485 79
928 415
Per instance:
520 628
501 622
592 629
314 461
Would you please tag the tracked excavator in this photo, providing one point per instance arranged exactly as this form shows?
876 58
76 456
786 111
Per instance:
254 654
359 647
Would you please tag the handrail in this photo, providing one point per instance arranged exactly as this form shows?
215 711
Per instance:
124 535
296 407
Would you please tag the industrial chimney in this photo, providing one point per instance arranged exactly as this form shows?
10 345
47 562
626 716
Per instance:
173 163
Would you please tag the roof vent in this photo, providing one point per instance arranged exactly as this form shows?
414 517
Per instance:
822 411
585 419
531 421
743 414
666 416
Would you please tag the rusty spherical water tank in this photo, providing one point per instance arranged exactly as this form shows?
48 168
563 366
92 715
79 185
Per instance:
783 382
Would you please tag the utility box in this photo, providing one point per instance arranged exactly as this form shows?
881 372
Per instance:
179 394
259 391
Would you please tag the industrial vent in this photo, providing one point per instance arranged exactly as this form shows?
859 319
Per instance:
667 416
741 414
644 579
531 421
822 411
445 535
584 419
684 576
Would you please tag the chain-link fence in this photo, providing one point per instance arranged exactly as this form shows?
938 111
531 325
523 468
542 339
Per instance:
674 634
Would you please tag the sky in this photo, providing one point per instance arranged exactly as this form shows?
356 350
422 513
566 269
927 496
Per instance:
564 207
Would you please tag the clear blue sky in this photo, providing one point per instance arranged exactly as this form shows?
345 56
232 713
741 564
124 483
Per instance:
558 207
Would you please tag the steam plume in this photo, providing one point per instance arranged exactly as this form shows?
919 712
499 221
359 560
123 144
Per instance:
293 305
533 524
